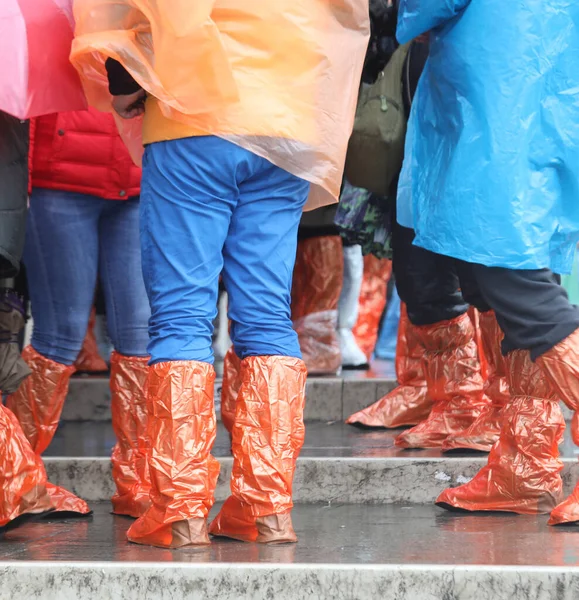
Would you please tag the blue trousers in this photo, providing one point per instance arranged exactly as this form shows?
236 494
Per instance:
70 239
210 208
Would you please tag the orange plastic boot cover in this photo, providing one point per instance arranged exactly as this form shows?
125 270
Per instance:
561 366
317 284
267 438
89 360
454 382
23 481
523 471
38 402
485 431
181 429
408 403
130 454
230 388
377 273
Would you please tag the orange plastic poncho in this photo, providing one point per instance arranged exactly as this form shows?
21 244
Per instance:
277 77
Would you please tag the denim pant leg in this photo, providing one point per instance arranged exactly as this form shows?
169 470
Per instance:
127 305
260 254
61 255
188 193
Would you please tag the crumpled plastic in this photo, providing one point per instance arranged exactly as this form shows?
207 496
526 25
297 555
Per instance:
377 272
230 388
89 360
317 283
38 402
42 80
561 366
485 431
523 473
268 435
23 488
181 429
219 70
37 405
13 369
130 453
454 383
409 402
471 137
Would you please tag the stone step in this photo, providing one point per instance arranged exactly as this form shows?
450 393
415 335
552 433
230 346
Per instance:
328 398
338 463
345 552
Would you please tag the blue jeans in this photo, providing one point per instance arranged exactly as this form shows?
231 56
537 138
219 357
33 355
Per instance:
70 240
208 208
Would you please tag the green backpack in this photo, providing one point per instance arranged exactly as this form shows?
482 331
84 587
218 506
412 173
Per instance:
376 147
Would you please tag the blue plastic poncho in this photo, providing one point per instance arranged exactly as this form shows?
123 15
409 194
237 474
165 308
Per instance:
491 173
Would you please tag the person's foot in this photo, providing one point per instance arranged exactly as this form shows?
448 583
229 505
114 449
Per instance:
276 529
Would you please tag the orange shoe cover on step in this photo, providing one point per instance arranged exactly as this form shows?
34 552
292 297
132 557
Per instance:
181 429
454 382
317 283
23 482
267 437
561 366
377 273
485 431
523 470
230 388
130 453
38 401
89 359
408 403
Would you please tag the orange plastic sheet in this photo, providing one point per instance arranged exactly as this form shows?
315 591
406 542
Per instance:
89 360
408 403
268 435
377 273
230 388
561 365
38 402
224 67
454 382
523 473
567 512
182 429
23 488
485 431
317 284
130 453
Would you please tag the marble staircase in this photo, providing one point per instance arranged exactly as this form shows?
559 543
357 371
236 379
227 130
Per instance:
364 514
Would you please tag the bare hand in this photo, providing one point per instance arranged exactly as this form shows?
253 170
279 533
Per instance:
131 105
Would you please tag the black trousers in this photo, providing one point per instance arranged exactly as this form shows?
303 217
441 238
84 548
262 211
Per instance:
531 306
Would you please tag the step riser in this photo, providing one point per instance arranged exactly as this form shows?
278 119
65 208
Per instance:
343 480
282 582
328 399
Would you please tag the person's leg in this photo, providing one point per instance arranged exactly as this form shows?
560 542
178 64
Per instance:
428 287
127 310
318 278
485 430
188 193
348 308
61 254
268 431
523 472
441 331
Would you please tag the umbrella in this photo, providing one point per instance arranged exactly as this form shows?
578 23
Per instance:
37 77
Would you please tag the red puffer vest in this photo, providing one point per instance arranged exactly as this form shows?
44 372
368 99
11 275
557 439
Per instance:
82 152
